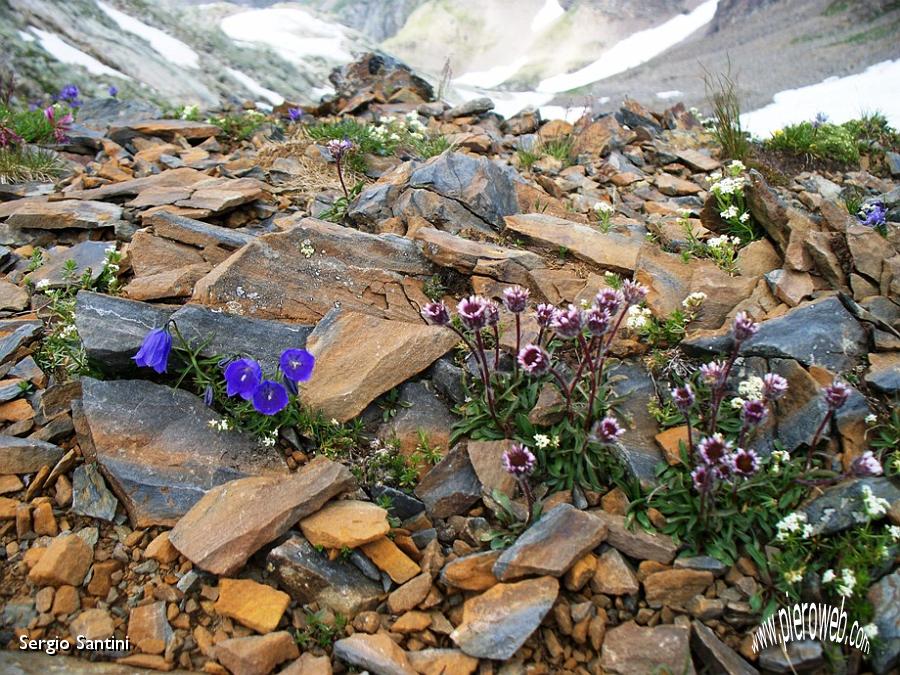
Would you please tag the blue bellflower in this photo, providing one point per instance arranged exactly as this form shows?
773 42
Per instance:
242 377
270 398
297 364
155 349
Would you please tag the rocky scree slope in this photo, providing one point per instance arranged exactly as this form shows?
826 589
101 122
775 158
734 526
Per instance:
128 509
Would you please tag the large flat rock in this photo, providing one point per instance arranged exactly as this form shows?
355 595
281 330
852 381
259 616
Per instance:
821 333
233 521
273 278
157 450
552 545
360 356
112 330
614 251
67 213
497 622
26 455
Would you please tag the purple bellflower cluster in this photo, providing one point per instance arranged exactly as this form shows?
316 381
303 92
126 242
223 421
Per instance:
243 377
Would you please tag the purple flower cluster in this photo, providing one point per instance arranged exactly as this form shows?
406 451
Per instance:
519 461
69 95
721 461
294 114
8 137
873 215
244 378
112 90
339 148
61 126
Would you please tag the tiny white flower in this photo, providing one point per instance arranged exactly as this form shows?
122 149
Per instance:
744 217
781 456
794 576
874 506
694 300
737 166
828 577
335 422
603 208
871 419
894 531
43 283
736 403
541 440
729 213
870 630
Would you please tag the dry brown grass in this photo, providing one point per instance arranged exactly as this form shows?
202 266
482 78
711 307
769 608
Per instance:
312 174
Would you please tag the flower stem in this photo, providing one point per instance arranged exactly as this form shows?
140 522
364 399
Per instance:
486 376
518 343
529 496
719 392
340 174
815 440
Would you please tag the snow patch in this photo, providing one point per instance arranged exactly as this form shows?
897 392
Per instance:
255 87
634 50
293 33
27 37
558 112
507 103
841 98
546 16
173 50
66 53
491 77
672 93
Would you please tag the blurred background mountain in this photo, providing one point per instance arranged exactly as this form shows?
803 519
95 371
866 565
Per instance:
558 54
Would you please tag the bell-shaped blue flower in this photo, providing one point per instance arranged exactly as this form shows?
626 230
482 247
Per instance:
270 397
297 364
155 349
242 377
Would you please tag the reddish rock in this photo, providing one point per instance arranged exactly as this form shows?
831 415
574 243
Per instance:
252 604
257 654
65 562
233 521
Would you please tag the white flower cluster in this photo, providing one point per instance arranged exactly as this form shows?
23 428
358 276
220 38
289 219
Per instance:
870 630
732 212
794 576
694 300
751 388
543 441
875 506
894 531
604 208
779 457
727 186
306 248
637 317
844 584
189 112
269 440
871 419
389 128
220 425
43 283
723 243
793 524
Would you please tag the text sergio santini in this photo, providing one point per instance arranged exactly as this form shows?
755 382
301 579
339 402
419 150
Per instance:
53 645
